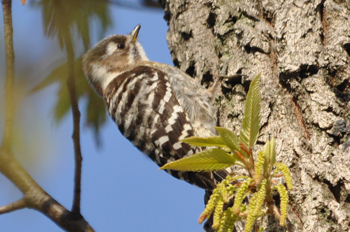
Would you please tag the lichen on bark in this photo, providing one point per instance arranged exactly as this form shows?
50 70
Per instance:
302 50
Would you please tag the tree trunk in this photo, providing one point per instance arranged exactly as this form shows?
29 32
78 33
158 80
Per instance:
302 50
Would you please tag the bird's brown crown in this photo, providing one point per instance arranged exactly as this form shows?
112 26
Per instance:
111 57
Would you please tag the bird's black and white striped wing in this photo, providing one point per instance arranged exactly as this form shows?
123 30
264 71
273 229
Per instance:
145 108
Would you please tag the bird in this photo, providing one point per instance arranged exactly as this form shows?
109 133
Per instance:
154 105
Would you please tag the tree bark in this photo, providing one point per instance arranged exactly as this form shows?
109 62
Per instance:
302 50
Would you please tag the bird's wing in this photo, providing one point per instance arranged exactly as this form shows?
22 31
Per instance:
145 108
194 99
173 125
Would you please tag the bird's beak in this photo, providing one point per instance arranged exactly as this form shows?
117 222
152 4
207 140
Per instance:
134 33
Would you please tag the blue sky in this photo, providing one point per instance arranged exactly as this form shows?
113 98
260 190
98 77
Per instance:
122 190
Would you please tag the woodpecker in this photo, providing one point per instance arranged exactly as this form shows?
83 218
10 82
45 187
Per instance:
154 105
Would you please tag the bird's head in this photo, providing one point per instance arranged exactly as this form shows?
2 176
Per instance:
110 57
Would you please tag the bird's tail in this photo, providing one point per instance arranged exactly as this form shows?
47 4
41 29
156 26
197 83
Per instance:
205 180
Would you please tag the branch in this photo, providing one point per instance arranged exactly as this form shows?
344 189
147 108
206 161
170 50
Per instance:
36 198
20 204
76 122
274 210
9 84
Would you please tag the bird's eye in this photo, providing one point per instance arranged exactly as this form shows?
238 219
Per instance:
121 46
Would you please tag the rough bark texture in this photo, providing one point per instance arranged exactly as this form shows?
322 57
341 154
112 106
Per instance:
302 50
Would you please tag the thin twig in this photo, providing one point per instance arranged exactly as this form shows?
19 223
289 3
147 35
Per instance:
20 204
9 84
76 123
273 209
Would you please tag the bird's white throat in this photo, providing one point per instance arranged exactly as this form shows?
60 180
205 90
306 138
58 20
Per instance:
102 75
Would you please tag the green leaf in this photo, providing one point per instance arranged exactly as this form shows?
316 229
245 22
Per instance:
95 114
273 151
270 155
207 160
229 138
205 142
62 106
251 119
71 18
95 109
